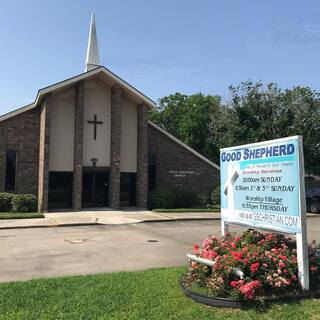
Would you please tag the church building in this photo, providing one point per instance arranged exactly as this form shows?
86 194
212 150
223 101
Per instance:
87 142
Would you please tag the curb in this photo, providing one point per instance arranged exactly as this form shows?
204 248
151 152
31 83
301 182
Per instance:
142 221
103 224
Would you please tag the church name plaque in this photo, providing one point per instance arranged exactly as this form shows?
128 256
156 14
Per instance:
181 173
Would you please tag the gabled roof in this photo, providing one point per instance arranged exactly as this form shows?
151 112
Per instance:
111 78
170 136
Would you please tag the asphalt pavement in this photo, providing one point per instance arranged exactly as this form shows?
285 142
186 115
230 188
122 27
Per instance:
73 250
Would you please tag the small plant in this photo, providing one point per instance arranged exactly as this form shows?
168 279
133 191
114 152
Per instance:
215 196
5 202
174 197
24 203
268 262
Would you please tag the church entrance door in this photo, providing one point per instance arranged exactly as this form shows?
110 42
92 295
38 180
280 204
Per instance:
95 185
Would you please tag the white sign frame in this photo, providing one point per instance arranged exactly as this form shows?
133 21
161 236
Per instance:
301 237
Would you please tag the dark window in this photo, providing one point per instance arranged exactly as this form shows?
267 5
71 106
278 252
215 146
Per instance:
127 189
60 190
11 163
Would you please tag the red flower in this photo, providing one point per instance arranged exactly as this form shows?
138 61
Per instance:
245 261
196 248
248 289
283 258
254 267
233 245
236 284
237 255
281 265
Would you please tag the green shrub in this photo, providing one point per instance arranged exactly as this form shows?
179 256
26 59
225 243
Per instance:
173 197
24 203
205 200
215 196
5 202
185 198
163 198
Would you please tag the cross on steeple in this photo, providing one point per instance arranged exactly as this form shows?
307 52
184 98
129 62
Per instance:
95 122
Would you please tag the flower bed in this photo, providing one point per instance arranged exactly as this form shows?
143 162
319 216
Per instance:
268 262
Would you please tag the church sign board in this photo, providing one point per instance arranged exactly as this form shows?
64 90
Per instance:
262 186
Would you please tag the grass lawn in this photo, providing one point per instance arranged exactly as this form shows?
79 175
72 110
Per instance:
186 210
152 294
13 215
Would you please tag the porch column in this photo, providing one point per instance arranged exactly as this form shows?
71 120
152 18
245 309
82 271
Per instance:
44 145
142 156
115 147
78 147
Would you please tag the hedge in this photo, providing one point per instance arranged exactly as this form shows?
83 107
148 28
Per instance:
17 202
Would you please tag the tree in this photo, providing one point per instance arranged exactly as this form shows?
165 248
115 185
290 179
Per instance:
256 112
188 118
267 112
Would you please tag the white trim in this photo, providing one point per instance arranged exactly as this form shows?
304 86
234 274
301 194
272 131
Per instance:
14 113
184 145
59 85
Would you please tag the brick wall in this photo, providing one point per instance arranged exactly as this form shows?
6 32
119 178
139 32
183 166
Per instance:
44 147
78 147
115 147
142 156
176 165
21 133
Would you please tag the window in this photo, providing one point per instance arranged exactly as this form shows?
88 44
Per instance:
11 163
60 190
127 189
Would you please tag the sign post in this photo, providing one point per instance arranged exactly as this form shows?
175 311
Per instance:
262 186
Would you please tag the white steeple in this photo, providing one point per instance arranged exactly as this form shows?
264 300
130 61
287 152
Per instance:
92 60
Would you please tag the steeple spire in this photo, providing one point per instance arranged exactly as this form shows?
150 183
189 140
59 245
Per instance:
92 60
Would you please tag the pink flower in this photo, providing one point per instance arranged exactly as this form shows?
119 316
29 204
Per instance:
313 268
210 254
254 267
294 278
281 265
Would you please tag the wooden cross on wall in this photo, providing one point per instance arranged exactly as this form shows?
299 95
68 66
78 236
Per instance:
95 123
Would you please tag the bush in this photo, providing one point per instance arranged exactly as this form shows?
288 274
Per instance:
5 202
268 262
215 196
24 203
163 198
173 197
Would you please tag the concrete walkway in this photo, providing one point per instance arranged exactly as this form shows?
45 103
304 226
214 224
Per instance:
104 216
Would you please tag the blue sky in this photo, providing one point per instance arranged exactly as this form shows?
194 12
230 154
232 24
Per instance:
160 47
